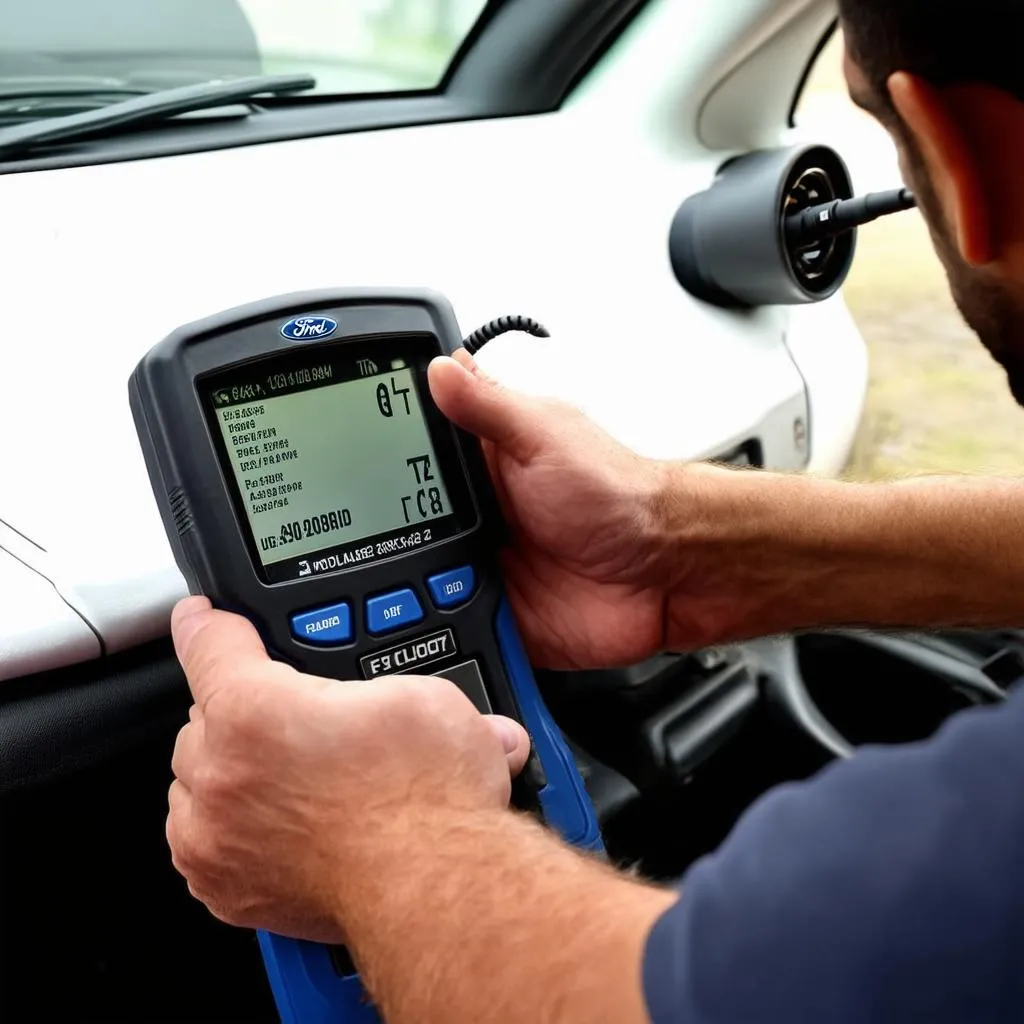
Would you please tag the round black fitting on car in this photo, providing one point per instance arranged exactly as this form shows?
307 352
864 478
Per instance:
728 245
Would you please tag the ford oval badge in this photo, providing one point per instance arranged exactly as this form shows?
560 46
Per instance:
309 328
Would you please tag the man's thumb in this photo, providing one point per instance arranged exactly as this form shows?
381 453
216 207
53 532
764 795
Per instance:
214 647
514 739
482 406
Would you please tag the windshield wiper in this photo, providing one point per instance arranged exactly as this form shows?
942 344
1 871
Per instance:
31 87
141 111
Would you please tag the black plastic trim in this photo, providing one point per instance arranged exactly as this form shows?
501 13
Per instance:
56 724
798 95
532 53
684 734
476 32
271 125
525 57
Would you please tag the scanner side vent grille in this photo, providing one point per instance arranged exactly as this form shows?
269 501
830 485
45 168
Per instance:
181 513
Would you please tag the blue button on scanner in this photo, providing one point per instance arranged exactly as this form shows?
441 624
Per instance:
392 611
326 626
450 589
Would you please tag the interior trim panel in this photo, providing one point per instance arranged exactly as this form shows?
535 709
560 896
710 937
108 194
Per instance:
58 723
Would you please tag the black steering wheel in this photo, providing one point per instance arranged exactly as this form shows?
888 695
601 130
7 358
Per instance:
976 678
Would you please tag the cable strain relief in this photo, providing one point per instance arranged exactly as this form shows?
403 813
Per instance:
503 325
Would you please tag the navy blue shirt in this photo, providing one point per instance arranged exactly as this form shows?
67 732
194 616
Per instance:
887 890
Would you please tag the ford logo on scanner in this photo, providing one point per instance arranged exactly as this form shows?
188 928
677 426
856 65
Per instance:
309 328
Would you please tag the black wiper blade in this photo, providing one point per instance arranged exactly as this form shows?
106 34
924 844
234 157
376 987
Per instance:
141 111
30 87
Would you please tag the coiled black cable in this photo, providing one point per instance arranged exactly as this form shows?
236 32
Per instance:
503 325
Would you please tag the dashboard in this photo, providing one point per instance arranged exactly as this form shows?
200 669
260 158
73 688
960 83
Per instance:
102 261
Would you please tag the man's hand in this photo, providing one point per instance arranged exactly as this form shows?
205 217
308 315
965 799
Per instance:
616 557
291 791
586 573
375 814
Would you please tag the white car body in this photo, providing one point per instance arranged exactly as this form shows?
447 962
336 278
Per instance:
563 217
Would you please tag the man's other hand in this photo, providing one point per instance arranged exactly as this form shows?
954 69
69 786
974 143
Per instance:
587 573
615 557
291 791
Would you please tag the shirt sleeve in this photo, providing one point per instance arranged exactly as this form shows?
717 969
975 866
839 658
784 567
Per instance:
887 890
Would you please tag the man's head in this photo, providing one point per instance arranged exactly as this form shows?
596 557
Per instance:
946 77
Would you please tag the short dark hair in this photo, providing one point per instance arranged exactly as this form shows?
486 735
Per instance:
945 42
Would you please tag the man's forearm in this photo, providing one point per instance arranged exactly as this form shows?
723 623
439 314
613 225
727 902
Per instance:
486 916
784 553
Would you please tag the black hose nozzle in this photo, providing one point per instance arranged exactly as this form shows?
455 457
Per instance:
818 223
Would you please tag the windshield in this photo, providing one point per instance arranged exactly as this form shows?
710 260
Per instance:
350 46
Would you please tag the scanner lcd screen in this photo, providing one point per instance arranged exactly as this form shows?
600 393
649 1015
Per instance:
333 464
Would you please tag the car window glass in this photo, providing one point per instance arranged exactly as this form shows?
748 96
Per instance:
351 46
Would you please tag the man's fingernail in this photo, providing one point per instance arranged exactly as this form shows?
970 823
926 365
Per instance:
508 732
188 606
184 618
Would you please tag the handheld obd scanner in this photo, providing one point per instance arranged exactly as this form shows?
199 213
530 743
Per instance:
307 481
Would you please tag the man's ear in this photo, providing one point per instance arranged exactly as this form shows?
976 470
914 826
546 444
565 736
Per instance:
952 162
